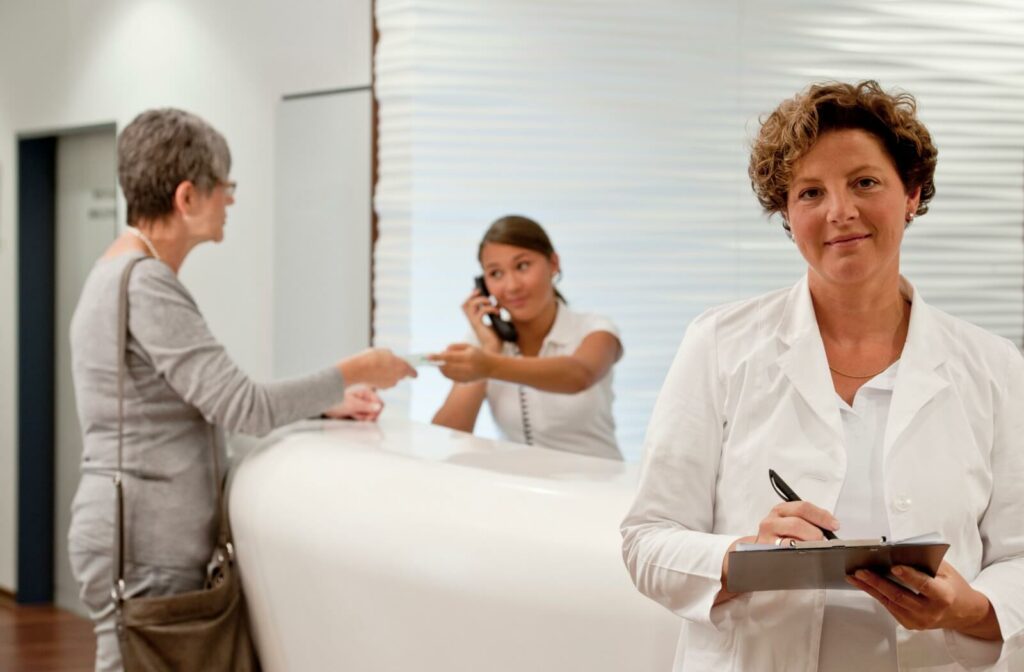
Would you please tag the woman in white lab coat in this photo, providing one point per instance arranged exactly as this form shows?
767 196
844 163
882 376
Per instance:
887 416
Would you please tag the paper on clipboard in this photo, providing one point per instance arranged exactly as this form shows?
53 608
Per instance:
826 564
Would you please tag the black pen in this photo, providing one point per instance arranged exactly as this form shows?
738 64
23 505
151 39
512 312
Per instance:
787 494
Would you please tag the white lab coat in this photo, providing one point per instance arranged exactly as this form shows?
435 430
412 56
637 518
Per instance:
750 390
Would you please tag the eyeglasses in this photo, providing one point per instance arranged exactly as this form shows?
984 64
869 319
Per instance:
229 187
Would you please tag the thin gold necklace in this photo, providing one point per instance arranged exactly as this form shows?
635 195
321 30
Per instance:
872 375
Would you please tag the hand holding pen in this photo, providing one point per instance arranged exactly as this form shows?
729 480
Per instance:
794 518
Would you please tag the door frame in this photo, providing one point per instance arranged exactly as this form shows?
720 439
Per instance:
36 321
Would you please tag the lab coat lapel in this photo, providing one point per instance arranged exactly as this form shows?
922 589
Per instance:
918 379
803 359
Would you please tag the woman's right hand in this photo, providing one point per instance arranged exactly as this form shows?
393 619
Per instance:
377 367
788 520
475 307
795 520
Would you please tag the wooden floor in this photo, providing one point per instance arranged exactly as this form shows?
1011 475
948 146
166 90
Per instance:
44 639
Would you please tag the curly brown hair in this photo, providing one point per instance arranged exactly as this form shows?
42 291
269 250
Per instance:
159 150
789 132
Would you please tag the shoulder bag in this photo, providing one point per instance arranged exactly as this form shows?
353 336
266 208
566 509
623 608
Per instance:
204 629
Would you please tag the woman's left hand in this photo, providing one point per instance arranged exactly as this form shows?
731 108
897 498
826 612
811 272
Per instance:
464 363
361 403
944 601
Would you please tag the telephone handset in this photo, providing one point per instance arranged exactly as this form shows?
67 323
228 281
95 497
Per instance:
506 330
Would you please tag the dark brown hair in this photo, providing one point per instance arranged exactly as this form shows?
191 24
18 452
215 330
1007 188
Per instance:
519 231
789 132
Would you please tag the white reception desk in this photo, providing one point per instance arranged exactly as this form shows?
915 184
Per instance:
403 546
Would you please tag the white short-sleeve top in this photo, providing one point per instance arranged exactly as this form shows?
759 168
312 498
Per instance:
577 423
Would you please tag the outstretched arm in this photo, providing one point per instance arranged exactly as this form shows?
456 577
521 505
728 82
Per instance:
567 374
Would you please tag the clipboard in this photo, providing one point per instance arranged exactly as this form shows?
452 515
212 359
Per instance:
826 564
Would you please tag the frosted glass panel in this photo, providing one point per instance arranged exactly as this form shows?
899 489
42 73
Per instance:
624 129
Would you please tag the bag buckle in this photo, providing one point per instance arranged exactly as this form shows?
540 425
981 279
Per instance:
117 592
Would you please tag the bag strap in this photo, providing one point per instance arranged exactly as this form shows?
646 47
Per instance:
224 535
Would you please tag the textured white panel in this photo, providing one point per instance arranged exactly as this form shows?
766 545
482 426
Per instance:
322 232
624 129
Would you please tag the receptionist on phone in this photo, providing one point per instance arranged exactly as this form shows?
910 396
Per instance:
886 415
544 369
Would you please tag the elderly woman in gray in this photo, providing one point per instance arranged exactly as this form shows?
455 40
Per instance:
173 168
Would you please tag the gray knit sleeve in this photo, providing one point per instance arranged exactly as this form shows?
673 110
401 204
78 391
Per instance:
169 331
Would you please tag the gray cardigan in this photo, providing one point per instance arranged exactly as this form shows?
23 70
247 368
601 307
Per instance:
180 384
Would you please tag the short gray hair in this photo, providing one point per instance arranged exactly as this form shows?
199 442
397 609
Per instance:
159 150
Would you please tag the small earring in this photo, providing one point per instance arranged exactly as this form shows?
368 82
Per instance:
787 228
910 217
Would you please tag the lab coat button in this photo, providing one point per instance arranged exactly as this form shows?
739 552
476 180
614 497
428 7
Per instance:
902 504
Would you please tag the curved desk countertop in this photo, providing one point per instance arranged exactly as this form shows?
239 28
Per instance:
404 546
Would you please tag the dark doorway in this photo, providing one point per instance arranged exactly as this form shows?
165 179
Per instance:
54 207
37 184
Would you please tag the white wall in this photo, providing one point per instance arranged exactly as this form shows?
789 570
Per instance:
67 63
